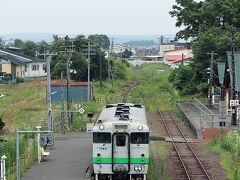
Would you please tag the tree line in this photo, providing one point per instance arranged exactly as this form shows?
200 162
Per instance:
208 24
99 45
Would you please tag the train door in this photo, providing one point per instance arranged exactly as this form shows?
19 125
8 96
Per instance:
121 153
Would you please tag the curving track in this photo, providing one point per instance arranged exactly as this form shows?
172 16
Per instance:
128 89
190 166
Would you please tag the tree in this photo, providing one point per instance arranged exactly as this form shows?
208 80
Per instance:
79 60
30 48
42 45
18 43
189 15
200 16
1 43
100 40
127 53
209 23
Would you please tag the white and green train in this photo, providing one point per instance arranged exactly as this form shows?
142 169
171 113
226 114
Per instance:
121 143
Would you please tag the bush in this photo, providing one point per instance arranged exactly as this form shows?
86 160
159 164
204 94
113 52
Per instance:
6 78
121 71
19 80
182 79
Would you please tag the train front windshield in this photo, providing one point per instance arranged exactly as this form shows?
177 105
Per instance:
101 137
140 138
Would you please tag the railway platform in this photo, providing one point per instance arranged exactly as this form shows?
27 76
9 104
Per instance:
203 120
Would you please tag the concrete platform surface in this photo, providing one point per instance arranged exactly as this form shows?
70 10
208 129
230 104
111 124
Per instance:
201 117
68 160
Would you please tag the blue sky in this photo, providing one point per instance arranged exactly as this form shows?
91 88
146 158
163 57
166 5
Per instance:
121 17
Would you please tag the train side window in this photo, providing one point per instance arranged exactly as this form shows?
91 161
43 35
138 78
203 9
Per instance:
101 137
121 140
140 138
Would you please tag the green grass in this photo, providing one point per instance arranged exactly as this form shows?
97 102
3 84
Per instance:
155 91
24 104
228 150
151 171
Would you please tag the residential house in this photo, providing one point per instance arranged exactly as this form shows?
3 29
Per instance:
166 47
118 48
20 65
12 64
176 57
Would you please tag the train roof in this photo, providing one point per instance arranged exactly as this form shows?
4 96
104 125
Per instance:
123 112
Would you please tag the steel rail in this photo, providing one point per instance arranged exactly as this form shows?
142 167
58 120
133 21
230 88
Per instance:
190 147
174 145
188 144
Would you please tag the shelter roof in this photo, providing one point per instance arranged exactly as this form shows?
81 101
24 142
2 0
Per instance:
58 83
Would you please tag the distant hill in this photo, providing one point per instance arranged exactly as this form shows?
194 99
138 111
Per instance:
126 38
37 37
141 44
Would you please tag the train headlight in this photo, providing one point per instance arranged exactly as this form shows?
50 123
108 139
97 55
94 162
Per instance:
137 168
140 127
101 127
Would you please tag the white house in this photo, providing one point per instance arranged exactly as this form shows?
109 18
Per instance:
118 48
165 47
21 66
35 69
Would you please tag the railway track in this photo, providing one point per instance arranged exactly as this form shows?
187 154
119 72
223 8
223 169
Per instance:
188 163
128 89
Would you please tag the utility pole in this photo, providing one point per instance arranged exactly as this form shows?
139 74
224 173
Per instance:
211 78
89 51
100 64
234 108
182 58
121 54
110 64
49 93
62 106
68 50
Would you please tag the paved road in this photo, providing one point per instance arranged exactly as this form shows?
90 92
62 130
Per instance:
68 160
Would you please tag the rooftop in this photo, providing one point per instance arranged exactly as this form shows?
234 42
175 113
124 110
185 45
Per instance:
20 56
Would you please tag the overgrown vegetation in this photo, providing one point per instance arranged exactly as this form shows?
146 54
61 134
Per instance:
155 91
28 153
24 105
228 149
